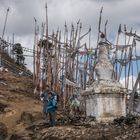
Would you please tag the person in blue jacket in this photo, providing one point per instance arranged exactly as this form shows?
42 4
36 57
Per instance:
50 109
49 99
44 97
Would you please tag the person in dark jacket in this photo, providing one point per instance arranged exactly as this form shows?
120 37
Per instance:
50 109
44 97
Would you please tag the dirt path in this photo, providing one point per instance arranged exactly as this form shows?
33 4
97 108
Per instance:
15 109
16 94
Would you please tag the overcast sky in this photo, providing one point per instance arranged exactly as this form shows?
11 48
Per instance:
22 13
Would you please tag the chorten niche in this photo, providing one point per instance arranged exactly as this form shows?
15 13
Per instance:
105 99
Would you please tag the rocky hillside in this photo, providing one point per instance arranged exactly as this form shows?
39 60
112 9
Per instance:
10 63
16 97
21 118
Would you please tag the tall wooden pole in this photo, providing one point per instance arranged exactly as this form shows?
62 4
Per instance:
99 25
5 24
116 54
46 48
34 51
125 55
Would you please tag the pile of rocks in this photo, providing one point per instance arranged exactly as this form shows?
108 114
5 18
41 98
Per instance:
3 131
30 117
126 128
3 107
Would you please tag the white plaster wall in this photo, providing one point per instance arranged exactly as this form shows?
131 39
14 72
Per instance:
106 106
91 106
